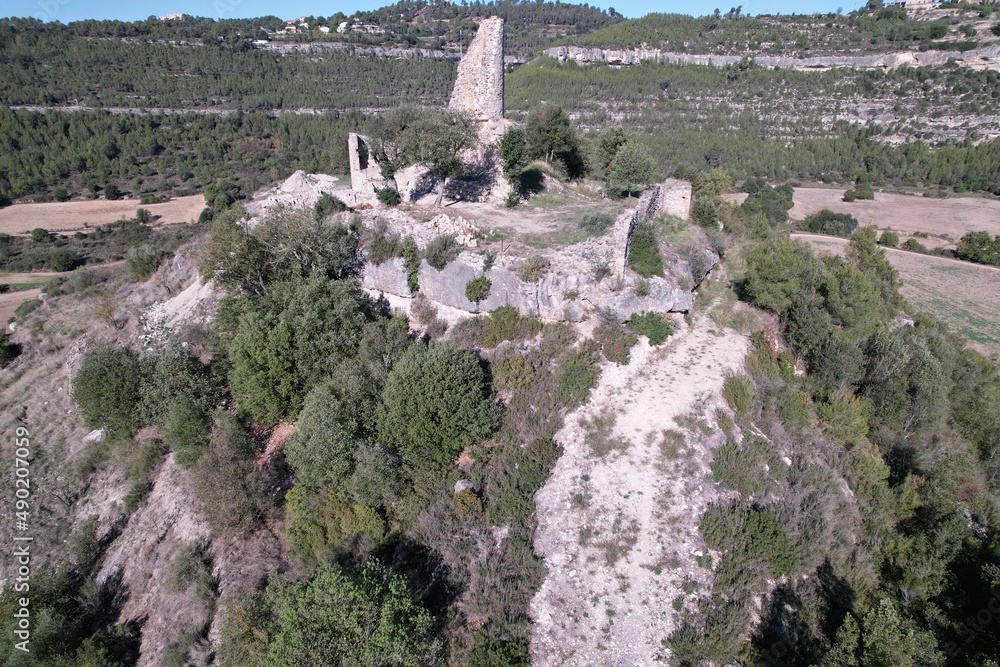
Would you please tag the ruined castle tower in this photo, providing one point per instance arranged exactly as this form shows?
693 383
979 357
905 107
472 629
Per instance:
479 86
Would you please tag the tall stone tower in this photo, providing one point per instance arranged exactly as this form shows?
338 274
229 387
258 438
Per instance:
479 86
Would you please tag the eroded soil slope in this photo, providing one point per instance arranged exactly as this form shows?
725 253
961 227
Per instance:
618 518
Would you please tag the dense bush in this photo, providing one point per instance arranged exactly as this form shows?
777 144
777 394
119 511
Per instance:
644 252
327 205
828 222
185 432
478 289
321 450
979 247
232 491
615 339
107 389
281 351
889 239
360 616
436 401
533 268
388 196
652 325
441 250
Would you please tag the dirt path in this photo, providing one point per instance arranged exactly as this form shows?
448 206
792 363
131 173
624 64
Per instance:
619 533
73 215
821 240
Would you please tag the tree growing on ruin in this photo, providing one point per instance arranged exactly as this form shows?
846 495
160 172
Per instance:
632 168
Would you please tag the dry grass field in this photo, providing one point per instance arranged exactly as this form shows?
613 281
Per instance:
9 301
962 295
945 220
74 215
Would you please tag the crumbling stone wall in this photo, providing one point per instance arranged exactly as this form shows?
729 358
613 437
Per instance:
675 199
479 86
621 234
364 167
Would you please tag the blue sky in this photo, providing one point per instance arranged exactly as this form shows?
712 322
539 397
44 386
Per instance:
74 10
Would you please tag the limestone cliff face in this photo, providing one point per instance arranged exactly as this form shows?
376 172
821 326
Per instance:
984 58
479 85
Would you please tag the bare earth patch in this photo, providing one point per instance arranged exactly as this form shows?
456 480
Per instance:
72 215
961 294
618 518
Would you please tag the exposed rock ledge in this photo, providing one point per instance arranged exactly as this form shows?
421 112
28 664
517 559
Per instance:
983 58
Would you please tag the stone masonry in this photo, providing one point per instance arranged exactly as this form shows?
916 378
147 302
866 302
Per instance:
364 168
675 198
479 86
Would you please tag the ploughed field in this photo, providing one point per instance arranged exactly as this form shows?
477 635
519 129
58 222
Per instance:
77 215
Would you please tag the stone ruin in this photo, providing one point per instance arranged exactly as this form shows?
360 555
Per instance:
479 91
479 85
568 289
675 198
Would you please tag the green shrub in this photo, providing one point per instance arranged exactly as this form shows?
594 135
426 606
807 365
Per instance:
26 307
383 247
512 200
62 260
441 250
914 245
597 223
141 262
644 252
107 389
828 222
849 196
411 260
506 323
135 495
321 450
186 432
39 235
616 340
739 392
652 325
478 289
175 374
889 239
143 216
388 196
111 192
327 205
352 617
705 212
577 374
533 269
435 402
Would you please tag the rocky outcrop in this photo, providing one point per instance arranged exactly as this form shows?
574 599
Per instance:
479 85
983 58
565 293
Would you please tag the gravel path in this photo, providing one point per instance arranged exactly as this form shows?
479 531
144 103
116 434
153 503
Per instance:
619 533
